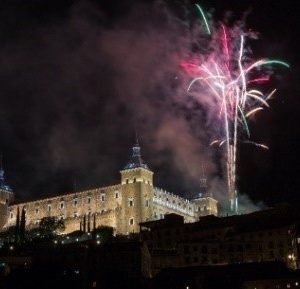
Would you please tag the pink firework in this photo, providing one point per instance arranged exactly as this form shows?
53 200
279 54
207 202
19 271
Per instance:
229 77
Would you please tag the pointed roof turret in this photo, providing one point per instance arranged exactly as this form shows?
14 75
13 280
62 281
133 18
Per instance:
3 185
136 160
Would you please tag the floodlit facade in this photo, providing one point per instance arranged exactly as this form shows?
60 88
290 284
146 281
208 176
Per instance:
123 206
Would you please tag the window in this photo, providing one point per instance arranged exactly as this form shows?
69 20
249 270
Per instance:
75 202
271 245
102 197
127 181
134 180
36 210
147 203
116 195
187 260
204 259
131 222
49 207
11 215
240 248
62 217
62 205
204 249
130 202
89 200
215 250
186 249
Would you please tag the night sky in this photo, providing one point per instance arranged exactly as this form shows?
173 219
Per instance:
78 77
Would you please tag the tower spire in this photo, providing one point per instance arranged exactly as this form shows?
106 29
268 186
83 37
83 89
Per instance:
3 184
136 160
1 161
136 137
203 183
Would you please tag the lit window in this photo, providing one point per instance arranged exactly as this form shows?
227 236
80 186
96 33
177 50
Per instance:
130 202
102 197
131 222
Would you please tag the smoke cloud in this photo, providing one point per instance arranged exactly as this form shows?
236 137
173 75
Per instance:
75 88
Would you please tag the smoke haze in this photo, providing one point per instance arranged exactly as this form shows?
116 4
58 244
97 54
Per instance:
75 87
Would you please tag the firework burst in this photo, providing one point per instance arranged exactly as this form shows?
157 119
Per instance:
233 81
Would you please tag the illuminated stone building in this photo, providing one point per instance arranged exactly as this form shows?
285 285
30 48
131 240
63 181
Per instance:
123 206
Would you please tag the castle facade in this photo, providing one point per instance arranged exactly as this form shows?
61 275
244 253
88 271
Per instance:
123 206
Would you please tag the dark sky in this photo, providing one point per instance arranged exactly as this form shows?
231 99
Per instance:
77 77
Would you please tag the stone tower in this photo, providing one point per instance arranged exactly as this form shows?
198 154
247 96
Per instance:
6 197
137 192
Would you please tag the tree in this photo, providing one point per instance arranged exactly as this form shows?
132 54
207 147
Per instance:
89 223
94 223
105 233
17 227
50 226
23 225
8 235
84 223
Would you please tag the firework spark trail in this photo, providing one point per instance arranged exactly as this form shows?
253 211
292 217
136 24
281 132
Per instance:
204 18
229 78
